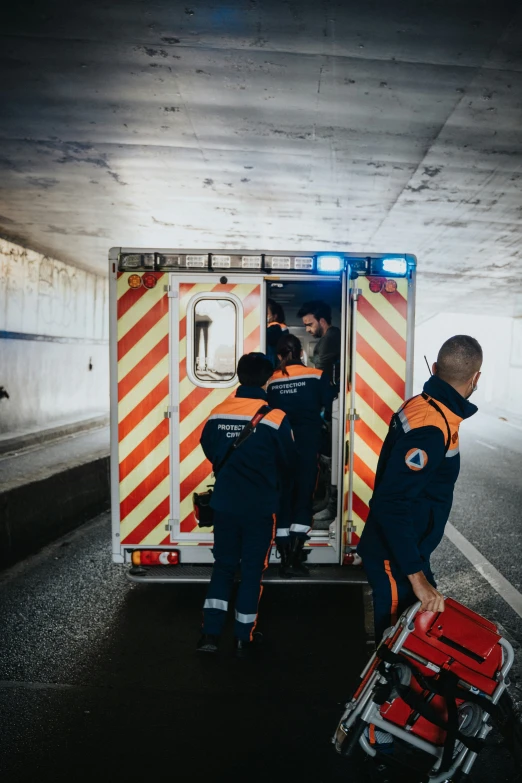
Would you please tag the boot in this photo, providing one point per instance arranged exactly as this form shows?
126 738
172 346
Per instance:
208 643
248 649
297 567
323 519
283 547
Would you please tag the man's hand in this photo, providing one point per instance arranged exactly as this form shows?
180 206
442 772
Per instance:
430 598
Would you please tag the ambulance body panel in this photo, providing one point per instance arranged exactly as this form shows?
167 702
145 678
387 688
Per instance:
180 321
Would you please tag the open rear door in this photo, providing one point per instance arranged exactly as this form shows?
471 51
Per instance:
380 349
212 325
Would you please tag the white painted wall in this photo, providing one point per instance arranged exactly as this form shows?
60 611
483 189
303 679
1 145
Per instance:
500 386
53 327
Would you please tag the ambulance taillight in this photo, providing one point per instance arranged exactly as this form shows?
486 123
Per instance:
149 280
152 557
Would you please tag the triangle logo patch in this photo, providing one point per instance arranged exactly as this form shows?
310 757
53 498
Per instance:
416 459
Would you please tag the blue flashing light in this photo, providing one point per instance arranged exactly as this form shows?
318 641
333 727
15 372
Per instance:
330 263
394 266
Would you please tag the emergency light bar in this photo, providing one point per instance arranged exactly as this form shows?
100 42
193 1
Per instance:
330 263
389 265
394 266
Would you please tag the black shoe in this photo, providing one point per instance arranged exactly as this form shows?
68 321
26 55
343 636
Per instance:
296 566
283 549
246 649
208 644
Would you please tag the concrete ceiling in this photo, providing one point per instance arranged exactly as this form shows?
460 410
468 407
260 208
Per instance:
306 124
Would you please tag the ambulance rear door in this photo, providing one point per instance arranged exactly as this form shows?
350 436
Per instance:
215 319
381 307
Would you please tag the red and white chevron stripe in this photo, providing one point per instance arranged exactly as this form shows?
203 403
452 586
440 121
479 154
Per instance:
143 394
380 386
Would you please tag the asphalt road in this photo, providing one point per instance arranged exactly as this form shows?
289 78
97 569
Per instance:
98 677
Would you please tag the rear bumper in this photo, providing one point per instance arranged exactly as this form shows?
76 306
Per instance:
319 574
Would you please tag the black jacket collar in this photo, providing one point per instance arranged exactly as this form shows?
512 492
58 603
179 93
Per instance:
252 392
448 396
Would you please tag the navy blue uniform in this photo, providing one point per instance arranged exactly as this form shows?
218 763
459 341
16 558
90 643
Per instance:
245 499
302 394
416 474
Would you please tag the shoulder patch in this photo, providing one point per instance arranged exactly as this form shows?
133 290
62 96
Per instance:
416 459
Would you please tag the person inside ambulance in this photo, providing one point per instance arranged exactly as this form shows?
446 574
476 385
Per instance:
416 474
276 327
317 318
302 393
245 500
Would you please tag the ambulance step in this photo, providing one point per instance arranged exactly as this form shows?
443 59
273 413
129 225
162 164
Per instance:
319 574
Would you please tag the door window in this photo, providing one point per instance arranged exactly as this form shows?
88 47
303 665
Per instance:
213 344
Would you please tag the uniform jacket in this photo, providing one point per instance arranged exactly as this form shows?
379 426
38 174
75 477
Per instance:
416 473
301 394
251 479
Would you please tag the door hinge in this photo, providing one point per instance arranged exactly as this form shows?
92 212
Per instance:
356 293
172 293
353 415
170 410
171 525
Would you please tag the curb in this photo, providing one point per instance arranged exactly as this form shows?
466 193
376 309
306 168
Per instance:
20 442
37 513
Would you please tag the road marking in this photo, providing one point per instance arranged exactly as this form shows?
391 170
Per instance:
515 426
482 443
498 582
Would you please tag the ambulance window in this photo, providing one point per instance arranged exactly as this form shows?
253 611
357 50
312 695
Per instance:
214 346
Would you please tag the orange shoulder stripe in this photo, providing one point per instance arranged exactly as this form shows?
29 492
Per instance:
417 412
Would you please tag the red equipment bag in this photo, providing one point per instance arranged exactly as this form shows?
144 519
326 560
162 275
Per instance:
434 682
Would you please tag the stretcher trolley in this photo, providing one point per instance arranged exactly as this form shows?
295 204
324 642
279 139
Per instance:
435 685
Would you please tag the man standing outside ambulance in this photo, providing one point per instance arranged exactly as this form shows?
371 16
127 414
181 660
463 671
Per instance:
245 499
416 474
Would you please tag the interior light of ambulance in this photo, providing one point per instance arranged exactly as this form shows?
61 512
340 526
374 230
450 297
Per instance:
304 263
376 285
390 286
149 280
281 262
330 263
150 557
197 261
394 266
222 262
251 262
134 281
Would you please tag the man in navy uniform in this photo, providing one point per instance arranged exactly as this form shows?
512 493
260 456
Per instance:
416 474
245 500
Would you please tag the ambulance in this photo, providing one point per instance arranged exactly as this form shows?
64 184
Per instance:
180 320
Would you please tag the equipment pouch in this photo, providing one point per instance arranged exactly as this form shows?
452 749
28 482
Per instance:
203 513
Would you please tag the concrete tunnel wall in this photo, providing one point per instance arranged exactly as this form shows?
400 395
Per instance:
54 360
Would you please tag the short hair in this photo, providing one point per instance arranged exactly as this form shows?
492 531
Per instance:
277 310
318 309
459 358
254 369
